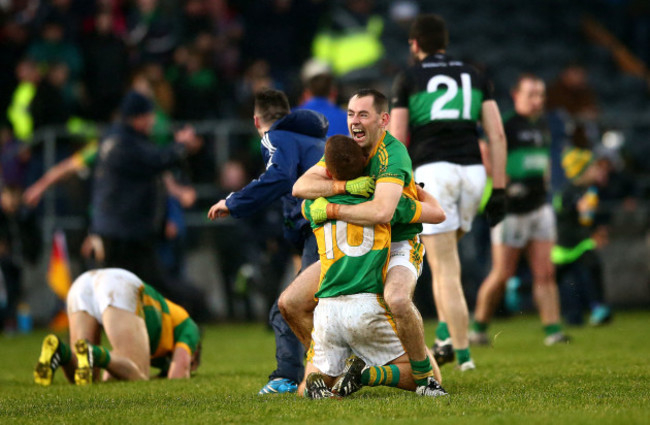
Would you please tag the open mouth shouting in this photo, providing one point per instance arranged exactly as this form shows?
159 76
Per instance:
358 134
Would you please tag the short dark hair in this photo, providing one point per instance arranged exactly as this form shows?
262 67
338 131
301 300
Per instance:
525 76
321 85
271 105
344 158
379 100
430 31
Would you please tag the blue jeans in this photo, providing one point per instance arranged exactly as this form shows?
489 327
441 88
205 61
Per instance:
289 352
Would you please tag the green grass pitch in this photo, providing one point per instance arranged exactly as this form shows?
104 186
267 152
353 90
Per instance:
602 377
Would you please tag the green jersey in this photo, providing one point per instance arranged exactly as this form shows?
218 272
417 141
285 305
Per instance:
168 325
390 162
354 258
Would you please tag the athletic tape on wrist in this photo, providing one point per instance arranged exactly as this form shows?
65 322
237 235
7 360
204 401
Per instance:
332 211
338 187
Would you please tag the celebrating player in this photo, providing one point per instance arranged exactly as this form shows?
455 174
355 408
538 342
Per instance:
389 165
352 316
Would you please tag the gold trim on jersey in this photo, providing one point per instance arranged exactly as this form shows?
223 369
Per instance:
391 180
184 346
418 212
410 190
374 150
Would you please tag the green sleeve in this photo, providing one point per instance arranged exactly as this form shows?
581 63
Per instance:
188 333
406 210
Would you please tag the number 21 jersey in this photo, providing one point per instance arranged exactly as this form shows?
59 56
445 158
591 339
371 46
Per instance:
444 99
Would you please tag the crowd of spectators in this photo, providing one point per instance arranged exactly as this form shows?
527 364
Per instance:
69 63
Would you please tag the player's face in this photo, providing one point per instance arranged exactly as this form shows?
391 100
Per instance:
530 97
365 124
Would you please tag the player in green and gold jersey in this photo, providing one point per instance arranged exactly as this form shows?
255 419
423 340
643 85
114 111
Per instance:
388 163
352 316
144 329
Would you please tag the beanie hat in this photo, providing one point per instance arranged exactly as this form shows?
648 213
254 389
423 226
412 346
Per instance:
135 104
575 161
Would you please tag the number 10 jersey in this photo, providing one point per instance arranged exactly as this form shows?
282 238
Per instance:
444 99
354 259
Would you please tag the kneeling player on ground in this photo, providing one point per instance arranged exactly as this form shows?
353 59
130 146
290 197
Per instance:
143 328
351 316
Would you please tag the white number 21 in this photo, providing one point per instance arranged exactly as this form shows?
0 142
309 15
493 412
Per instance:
437 111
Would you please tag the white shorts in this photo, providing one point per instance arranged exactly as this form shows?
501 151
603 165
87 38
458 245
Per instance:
407 253
359 324
516 230
458 189
95 290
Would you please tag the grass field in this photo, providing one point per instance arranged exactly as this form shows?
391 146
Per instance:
602 377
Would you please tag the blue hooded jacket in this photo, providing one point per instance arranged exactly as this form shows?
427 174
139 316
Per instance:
292 145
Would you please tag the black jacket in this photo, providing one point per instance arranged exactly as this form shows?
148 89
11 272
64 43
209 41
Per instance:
128 200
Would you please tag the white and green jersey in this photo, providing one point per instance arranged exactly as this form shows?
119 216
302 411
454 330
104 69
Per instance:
444 98
354 258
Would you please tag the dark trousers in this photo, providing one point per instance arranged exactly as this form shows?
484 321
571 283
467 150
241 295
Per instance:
141 258
289 352
581 286
136 256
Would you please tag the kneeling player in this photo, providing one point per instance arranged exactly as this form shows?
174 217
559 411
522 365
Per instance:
144 329
351 316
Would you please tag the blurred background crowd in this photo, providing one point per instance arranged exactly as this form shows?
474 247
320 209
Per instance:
65 66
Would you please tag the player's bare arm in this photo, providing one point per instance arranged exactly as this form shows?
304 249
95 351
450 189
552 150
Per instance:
432 212
181 364
33 194
399 124
493 127
376 211
314 183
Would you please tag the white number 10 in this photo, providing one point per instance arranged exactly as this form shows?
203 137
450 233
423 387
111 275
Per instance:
342 240
437 111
